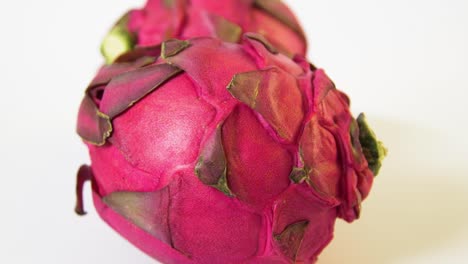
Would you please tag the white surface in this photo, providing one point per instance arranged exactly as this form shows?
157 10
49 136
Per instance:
402 62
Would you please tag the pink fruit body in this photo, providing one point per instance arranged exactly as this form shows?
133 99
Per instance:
161 20
204 151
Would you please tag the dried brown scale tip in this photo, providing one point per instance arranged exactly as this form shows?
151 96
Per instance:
211 167
289 241
262 40
225 29
139 208
173 47
93 126
150 53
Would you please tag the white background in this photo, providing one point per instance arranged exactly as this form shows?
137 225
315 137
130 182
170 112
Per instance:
403 62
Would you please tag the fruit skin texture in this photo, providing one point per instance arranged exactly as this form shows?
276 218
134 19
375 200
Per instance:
219 152
161 20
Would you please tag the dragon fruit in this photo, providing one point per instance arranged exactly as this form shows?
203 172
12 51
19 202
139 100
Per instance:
162 20
205 151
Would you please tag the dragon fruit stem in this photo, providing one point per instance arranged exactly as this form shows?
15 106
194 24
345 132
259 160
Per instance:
84 174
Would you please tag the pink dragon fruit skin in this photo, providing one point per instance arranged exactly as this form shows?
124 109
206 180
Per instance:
161 20
217 152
